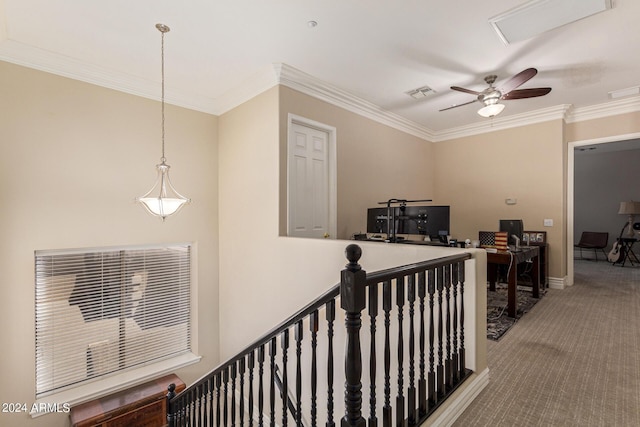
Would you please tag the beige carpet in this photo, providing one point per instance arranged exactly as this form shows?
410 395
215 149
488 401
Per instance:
573 360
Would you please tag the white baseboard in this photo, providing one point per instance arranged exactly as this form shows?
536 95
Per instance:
461 401
557 282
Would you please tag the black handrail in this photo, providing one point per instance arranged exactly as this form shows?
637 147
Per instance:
211 381
405 270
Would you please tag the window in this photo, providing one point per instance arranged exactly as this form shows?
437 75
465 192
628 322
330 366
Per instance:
103 311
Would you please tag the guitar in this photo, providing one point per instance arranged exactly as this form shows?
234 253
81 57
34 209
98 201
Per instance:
617 252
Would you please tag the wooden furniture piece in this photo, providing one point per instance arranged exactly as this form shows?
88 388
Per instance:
539 239
512 259
593 240
141 406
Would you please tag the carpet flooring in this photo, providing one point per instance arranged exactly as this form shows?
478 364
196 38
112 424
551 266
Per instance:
573 360
498 322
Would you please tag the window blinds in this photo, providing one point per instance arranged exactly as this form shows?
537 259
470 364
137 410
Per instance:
103 311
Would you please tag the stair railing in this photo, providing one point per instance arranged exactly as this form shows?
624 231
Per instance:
242 390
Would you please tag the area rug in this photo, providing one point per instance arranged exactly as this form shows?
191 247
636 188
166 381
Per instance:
498 323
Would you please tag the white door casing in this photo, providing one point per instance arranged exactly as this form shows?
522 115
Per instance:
311 179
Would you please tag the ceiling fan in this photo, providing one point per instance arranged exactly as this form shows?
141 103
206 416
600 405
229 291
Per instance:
509 90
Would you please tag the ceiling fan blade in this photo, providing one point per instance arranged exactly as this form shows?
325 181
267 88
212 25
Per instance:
526 93
518 80
458 105
461 89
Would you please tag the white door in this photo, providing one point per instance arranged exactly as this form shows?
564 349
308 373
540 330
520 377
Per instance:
311 179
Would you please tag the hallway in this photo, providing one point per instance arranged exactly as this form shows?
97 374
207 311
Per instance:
573 360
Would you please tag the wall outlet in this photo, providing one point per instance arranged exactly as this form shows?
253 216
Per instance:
548 223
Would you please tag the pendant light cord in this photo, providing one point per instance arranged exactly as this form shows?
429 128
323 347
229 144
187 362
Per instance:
163 29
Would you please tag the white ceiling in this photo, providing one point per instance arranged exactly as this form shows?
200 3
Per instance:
220 51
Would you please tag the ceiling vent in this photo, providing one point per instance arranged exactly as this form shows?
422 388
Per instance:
537 16
615 94
421 92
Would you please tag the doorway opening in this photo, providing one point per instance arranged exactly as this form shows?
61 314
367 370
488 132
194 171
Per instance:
571 185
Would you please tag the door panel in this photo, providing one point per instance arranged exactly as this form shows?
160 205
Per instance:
309 180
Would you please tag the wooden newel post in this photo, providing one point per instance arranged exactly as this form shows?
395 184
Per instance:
170 395
353 301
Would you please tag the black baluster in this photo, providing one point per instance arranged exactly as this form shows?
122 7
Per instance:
234 375
313 326
411 393
192 406
440 370
331 317
198 406
218 396
353 301
432 369
298 336
284 343
184 414
422 383
455 368
251 365
175 409
447 367
386 307
171 393
400 396
373 313
183 408
186 410
462 355
261 354
272 385
212 395
241 372
225 408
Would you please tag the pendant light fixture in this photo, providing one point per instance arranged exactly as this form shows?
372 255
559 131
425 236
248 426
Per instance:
163 200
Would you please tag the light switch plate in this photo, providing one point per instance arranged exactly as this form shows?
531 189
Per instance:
548 223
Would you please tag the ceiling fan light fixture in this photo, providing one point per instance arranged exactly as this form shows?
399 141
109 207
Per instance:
491 110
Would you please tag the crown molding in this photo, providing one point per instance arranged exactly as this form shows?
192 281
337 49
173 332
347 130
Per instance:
309 85
39 59
606 109
283 74
542 115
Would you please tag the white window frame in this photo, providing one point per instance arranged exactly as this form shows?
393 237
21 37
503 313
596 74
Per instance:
123 378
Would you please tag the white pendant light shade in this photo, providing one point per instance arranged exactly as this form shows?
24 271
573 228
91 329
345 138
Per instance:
163 200
491 110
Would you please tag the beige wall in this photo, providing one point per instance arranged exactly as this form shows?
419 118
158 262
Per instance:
259 270
264 278
74 157
374 162
621 124
476 174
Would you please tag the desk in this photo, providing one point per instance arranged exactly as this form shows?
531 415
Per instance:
512 259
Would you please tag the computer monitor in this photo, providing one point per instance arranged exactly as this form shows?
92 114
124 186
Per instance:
513 227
